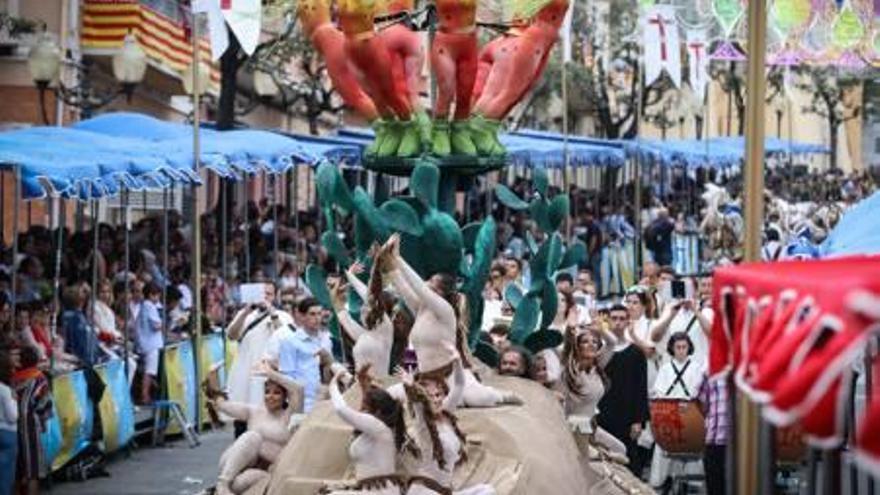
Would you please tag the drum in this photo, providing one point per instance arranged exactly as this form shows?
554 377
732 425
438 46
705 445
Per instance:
790 446
678 426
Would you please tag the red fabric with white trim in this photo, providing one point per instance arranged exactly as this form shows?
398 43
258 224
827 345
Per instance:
791 332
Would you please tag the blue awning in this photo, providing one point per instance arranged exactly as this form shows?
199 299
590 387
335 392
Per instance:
97 157
720 152
858 232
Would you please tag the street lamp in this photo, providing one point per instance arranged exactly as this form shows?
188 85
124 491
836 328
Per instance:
44 64
190 85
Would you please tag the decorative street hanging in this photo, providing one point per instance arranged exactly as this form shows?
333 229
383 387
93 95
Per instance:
662 46
698 60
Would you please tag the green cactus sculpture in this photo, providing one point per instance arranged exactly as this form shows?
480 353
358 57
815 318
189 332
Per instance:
432 242
535 309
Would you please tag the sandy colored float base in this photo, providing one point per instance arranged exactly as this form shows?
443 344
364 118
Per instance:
525 450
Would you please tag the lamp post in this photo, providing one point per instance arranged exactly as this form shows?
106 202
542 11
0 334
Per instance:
44 64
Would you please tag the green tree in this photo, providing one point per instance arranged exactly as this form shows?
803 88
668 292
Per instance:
828 101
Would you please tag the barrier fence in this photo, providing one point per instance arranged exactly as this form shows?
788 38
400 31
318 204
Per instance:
71 428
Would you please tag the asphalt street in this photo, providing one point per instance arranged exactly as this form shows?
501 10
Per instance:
173 469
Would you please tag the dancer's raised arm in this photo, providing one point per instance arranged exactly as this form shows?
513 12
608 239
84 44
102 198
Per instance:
357 284
609 342
351 327
405 275
363 422
453 399
295 391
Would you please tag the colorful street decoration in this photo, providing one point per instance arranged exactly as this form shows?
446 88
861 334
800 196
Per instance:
728 13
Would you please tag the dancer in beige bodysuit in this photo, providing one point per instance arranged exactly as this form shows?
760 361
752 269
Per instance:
267 431
584 356
380 433
372 340
439 438
439 335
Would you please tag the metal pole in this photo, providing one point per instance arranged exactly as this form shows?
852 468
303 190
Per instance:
747 472
165 264
127 309
566 180
56 283
223 270
16 206
96 232
275 230
196 219
296 250
247 231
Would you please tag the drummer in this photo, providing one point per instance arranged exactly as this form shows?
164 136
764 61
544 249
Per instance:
678 378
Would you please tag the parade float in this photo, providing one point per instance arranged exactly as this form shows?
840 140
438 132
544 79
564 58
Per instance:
374 55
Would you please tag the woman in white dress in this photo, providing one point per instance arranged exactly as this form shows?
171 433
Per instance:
439 333
440 440
372 340
380 434
267 430
679 378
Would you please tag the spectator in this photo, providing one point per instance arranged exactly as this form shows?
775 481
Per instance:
80 338
149 340
625 404
499 333
8 424
658 237
35 408
297 351
514 361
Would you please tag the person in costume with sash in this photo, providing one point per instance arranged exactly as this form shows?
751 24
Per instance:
441 442
379 436
244 463
680 377
374 339
439 333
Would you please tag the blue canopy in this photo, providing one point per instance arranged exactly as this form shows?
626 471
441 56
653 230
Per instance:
538 148
224 152
719 152
858 232
95 157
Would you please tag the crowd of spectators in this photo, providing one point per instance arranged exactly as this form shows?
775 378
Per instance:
107 308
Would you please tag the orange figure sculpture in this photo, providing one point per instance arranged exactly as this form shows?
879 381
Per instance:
314 15
383 80
516 65
454 62
407 57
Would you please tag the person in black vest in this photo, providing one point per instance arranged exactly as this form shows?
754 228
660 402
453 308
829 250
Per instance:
623 409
